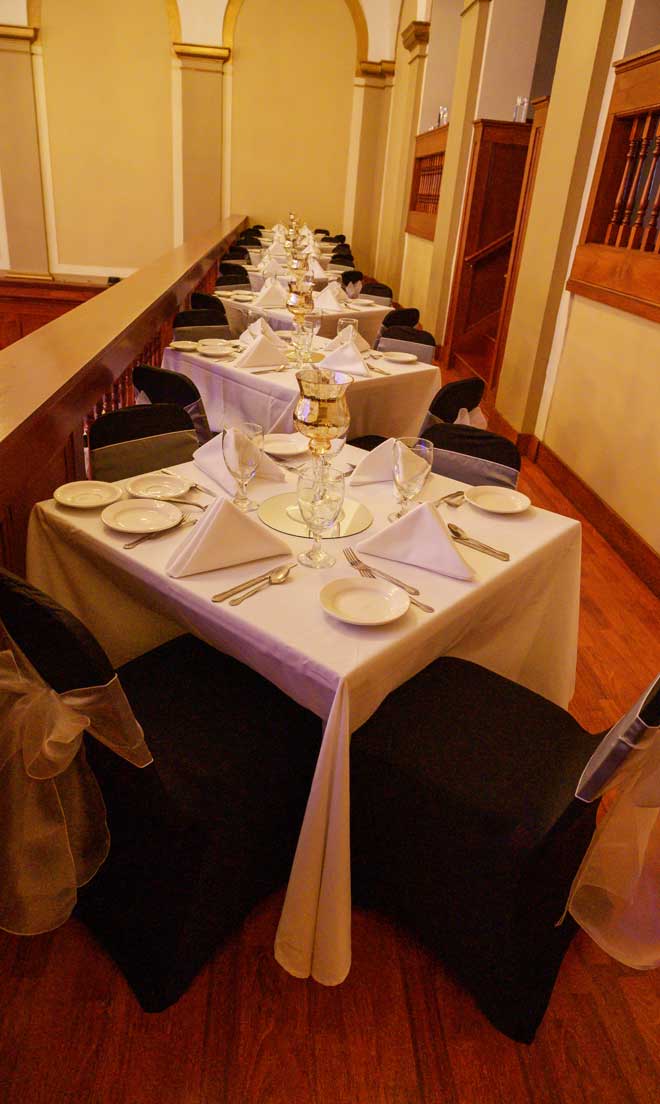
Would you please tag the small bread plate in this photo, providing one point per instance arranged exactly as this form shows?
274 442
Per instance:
184 346
85 494
158 485
243 296
214 347
285 444
364 302
498 500
398 358
141 515
364 601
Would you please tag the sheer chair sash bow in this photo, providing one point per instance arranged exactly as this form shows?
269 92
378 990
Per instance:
53 830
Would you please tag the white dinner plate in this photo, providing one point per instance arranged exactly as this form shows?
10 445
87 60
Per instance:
158 485
364 302
360 601
498 500
398 358
285 444
141 515
214 347
243 296
85 494
184 346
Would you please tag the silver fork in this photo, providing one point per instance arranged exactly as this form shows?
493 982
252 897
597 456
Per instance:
371 573
186 519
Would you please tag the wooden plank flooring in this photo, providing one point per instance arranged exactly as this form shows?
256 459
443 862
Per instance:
400 1030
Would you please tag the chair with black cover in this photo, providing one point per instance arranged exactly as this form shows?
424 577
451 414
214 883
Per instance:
233 281
403 316
192 325
199 300
381 293
137 439
205 832
321 230
474 456
369 442
487 838
237 253
258 226
465 394
232 268
160 385
408 339
351 281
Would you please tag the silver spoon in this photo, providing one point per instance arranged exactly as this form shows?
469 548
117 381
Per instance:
276 577
470 542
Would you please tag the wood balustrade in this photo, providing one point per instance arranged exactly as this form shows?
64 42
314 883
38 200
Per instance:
618 258
79 366
427 178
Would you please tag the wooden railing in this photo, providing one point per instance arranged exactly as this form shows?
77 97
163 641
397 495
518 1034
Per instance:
427 178
618 258
78 366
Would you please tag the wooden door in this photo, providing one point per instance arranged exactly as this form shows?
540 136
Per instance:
497 166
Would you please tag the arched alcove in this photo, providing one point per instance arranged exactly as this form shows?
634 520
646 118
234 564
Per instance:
354 7
292 71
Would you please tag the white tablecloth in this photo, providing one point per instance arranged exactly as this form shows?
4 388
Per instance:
518 618
394 405
369 318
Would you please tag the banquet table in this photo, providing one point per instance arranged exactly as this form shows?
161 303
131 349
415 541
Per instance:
369 317
393 405
518 618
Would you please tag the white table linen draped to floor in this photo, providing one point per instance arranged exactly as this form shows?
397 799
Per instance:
394 405
369 318
518 618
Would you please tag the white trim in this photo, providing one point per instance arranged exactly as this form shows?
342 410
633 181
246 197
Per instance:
44 156
4 238
177 152
353 160
91 270
227 91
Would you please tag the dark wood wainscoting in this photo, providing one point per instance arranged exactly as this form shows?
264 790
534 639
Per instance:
27 304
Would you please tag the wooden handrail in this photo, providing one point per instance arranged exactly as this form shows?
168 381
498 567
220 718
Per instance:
489 248
51 379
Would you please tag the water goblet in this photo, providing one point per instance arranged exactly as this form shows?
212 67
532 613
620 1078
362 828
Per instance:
347 329
320 499
241 449
412 459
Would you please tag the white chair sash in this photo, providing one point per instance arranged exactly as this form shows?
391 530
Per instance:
473 469
53 830
615 895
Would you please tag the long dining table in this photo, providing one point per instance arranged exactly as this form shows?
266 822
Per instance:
519 618
393 405
238 308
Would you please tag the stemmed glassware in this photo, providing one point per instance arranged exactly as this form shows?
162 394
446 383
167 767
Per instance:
320 499
241 448
411 463
348 328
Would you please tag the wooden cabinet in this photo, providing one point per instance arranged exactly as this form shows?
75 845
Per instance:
26 305
497 166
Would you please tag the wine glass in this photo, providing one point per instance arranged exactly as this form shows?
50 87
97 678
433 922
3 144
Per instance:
412 459
241 448
348 329
320 499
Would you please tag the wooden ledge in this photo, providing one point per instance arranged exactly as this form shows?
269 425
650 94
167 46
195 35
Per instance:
415 34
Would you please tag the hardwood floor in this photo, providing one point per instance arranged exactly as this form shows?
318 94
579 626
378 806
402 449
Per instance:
399 1030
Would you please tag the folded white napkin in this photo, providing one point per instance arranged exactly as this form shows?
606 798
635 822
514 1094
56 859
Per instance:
353 289
376 466
346 358
272 294
344 337
316 268
332 297
224 536
260 353
210 459
420 538
473 417
261 328
272 267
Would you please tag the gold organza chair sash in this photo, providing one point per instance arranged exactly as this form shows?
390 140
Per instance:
53 830
615 895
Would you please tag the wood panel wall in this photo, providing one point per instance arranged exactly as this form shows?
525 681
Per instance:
26 305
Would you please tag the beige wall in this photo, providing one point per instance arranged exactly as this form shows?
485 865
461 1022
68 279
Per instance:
417 257
201 105
19 161
372 137
603 420
108 84
441 63
293 67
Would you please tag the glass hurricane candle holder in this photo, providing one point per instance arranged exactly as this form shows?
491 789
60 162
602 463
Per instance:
321 413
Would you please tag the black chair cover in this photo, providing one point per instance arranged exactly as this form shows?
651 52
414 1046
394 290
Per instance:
475 442
198 318
374 288
200 301
455 396
351 276
403 316
131 423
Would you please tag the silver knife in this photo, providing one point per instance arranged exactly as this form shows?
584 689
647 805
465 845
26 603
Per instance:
469 542
244 586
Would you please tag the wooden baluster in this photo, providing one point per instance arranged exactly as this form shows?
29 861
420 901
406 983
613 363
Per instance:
116 394
634 241
640 155
633 144
652 189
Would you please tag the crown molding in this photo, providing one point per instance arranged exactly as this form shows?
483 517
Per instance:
383 68
8 30
192 49
415 34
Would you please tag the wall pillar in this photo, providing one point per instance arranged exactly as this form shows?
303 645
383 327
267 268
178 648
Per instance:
23 249
404 112
366 159
471 45
583 64
201 141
